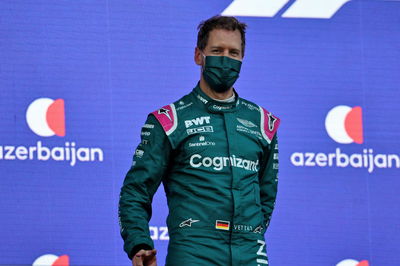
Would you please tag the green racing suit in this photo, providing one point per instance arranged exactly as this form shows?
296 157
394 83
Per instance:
218 163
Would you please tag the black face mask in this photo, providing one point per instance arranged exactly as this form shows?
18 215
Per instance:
221 72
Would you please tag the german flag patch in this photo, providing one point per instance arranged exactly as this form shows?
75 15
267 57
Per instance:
222 225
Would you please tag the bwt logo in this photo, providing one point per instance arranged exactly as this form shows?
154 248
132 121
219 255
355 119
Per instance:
344 124
51 260
46 117
320 9
198 121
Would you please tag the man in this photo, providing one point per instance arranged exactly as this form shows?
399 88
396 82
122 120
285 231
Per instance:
217 156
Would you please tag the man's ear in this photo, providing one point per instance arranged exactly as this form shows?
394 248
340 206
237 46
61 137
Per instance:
198 57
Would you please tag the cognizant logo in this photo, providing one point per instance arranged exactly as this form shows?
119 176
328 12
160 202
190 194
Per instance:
218 163
46 118
345 126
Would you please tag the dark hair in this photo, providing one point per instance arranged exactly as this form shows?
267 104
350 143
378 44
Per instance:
219 22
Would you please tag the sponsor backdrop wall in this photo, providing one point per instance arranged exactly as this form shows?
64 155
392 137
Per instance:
77 79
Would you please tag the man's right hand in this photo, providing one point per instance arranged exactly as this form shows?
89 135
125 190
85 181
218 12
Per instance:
145 258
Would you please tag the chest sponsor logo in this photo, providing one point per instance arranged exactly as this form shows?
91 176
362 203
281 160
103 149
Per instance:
218 163
202 99
221 107
183 105
250 106
249 131
246 123
202 129
202 142
198 121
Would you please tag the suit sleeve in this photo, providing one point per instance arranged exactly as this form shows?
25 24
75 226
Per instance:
150 163
268 180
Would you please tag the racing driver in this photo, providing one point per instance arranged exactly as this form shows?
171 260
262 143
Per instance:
217 156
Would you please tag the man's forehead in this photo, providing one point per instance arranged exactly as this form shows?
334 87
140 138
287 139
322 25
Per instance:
222 37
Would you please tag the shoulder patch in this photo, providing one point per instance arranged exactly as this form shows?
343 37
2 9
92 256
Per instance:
269 124
167 118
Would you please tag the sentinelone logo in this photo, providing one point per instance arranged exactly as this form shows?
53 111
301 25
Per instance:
46 118
344 125
317 9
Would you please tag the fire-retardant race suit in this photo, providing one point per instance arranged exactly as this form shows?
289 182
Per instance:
218 163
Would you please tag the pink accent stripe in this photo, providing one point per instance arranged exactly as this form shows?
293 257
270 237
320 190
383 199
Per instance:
270 133
165 116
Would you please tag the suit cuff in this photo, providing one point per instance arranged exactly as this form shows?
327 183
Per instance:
136 248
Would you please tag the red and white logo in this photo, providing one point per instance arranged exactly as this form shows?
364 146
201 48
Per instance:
344 124
350 262
46 117
51 260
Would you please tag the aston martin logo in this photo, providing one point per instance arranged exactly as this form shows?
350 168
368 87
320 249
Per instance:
246 123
